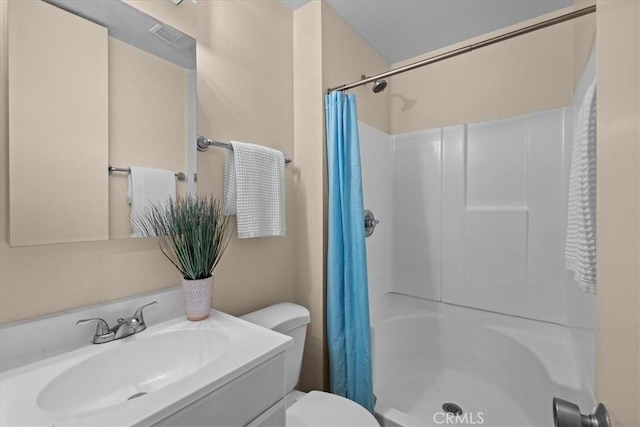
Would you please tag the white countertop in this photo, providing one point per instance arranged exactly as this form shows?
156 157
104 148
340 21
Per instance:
246 346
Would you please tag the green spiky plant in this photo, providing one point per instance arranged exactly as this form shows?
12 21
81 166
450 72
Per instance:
192 231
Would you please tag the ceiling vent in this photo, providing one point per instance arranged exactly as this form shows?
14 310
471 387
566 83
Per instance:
164 33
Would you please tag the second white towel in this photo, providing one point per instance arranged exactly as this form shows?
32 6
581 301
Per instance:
254 190
580 248
148 187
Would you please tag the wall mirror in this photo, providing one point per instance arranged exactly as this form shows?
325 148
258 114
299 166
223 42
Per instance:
92 84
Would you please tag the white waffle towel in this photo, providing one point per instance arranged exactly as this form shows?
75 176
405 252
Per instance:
254 190
580 247
148 187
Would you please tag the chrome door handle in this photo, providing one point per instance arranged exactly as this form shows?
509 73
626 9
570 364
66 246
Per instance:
567 414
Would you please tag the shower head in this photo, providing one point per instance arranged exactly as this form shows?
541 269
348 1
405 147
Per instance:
379 86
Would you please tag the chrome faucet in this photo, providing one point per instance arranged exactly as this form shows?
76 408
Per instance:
124 327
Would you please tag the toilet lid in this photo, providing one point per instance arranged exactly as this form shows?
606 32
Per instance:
320 409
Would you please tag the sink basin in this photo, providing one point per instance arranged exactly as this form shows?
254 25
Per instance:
142 365
142 379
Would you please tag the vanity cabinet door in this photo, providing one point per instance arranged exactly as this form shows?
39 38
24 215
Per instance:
239 402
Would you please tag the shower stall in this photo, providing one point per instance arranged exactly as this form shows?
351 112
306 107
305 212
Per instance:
473 312
470 300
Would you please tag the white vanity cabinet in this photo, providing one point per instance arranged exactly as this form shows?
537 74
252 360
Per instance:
254 399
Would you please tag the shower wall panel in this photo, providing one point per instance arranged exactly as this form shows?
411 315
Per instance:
376 152
479 214
417 203
513 207
475 215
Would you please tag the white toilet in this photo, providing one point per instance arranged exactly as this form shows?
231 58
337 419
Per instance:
315 408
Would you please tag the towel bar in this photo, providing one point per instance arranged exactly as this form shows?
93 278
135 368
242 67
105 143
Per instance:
181 176
203 143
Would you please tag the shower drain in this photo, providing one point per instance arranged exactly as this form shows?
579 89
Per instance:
452 408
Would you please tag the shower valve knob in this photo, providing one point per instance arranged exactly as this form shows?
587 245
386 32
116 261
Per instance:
370 223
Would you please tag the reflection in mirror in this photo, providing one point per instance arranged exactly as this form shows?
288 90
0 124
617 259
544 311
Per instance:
108 85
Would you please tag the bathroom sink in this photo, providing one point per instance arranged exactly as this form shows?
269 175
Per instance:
144 364
142 379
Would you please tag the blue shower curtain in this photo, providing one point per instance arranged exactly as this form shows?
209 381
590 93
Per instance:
348 329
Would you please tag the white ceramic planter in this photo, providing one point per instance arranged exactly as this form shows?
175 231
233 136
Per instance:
197 298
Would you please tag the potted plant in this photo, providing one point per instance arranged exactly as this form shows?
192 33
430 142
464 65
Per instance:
193 234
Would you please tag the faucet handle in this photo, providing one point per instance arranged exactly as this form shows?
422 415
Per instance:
102 328
138 313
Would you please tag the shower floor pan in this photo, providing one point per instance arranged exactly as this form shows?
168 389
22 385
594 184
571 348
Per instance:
500 370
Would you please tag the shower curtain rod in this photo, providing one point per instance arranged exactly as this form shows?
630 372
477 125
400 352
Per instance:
459 51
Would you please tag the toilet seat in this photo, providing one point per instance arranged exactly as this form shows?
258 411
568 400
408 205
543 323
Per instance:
320 409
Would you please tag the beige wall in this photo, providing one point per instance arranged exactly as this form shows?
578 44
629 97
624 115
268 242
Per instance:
584 39
618 216
309 170
529 73
245 92
345 58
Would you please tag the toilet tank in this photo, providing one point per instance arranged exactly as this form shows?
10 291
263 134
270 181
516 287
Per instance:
289 319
